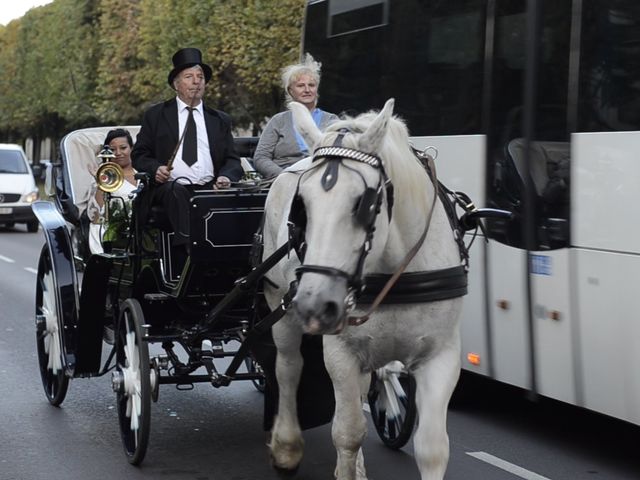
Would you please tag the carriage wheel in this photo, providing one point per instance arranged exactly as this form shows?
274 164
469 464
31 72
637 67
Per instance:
254 367
51 359
132 382
392 404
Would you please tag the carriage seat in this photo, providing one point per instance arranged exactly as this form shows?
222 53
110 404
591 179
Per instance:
245 148
223 224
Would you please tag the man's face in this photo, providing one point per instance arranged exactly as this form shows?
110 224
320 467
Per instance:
189 84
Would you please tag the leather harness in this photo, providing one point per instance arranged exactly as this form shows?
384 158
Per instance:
376 289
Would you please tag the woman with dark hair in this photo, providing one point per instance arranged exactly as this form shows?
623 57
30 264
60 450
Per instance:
120 142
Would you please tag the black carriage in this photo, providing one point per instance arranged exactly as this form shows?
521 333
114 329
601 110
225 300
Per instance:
199 311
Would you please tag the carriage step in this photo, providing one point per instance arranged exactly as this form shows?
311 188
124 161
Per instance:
156 297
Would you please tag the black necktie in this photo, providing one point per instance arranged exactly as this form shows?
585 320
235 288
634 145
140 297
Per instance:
190 146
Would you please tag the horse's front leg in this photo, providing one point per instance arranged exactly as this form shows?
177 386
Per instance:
435 381
286 443
349 425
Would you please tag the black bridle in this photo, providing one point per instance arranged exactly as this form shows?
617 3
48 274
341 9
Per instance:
367 209
398 287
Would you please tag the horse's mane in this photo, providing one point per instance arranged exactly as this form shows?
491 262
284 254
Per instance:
399 162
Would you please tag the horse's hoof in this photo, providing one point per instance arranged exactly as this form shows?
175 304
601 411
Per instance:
286 457
284 472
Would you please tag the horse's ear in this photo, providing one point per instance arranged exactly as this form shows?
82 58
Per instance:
371 140
304 123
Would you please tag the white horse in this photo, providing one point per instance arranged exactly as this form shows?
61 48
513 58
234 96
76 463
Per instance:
423 336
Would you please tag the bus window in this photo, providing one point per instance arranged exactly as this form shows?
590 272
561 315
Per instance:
549 154
609 98
428 55
347 16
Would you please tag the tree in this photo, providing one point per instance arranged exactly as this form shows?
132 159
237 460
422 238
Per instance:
76 63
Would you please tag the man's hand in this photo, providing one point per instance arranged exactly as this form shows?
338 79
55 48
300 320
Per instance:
223 182
162 174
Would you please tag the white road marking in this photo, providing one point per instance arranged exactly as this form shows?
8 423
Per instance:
509 467
7 259
31 270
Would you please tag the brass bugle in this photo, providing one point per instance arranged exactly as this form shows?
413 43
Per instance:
109 177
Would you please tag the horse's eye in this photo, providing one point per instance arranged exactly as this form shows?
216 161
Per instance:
356 206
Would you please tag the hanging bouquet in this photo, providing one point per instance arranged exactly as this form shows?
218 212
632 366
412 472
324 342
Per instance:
117 226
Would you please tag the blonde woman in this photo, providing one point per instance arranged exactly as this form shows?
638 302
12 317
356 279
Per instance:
280 145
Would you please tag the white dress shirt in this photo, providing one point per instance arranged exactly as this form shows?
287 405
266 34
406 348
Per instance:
202 171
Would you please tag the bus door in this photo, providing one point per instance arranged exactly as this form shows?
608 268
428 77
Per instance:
528 155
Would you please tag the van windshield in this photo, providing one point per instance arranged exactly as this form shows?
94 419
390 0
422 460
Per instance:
11 161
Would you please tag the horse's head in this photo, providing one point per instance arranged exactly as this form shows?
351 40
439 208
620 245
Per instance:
341 200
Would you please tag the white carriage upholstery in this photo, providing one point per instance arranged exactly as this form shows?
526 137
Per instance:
79 151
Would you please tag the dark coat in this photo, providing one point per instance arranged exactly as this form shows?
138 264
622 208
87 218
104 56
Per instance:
159 135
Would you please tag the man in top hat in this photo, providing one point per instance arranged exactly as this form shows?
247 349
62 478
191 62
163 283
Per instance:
184 141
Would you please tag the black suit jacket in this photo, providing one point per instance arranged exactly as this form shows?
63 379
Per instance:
159 136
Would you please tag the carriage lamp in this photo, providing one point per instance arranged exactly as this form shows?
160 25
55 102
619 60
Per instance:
473 358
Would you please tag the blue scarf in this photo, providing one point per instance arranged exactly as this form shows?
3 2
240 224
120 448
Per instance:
317 116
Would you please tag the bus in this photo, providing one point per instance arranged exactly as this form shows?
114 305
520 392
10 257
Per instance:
532 106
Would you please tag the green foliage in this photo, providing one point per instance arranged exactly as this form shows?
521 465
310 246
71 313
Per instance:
117 226
76 63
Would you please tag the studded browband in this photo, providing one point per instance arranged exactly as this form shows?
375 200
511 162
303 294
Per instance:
348 153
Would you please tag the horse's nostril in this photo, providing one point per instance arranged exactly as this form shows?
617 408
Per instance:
331 310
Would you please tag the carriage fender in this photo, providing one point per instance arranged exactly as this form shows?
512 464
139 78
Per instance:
58 242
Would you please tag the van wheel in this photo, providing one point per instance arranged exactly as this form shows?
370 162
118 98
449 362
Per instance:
32 227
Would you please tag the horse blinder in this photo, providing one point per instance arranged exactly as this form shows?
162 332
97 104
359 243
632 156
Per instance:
367 208
297 224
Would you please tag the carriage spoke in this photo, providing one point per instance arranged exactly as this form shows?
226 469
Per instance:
391 427
51 332
132 382
392 406
49 339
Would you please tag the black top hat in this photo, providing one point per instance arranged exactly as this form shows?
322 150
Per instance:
186 58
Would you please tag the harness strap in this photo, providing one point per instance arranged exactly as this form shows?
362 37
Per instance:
243 285
418 287
407 259
255 333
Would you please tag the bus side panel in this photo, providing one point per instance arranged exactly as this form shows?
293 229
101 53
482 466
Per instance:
508 307
609 312
473 328
604 191
460 164
553 325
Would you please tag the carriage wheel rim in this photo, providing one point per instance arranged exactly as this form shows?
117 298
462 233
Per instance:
49 339
392 405
133 395
132 381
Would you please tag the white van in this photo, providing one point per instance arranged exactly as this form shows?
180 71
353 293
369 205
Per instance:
18 188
